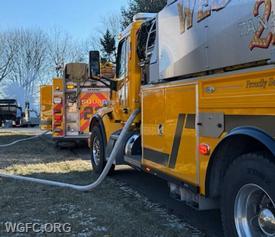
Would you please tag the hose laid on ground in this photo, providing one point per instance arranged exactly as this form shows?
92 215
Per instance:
24 140
103 175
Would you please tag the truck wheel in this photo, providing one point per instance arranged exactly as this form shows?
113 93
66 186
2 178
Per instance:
248 196
98 151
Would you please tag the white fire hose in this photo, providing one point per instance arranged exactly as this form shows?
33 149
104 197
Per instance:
103 175
24 140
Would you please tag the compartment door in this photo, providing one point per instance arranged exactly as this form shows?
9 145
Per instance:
46 107
153 130
169 131
181 136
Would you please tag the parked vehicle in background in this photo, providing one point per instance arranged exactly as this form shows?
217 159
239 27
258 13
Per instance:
75 99
12 114
9 110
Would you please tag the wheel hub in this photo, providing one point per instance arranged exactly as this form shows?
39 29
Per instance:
96 150
266 222
253 212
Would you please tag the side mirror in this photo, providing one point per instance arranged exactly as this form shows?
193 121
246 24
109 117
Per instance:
94 64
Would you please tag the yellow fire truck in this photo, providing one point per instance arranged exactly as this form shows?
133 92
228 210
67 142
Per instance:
71 101
75 100
203 75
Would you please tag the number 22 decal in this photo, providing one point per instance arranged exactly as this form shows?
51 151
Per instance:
257 40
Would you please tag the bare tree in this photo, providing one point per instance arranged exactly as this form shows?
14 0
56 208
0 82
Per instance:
111 23
78 52
30 57
29 62
59 48
93 42
7 51
64 49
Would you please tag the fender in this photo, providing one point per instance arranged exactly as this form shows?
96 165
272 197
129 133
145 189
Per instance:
223 155
98 118
257 134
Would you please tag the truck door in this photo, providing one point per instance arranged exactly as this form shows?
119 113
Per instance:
155 153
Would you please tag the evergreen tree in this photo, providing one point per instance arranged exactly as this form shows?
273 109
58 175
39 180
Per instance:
136 6
108 44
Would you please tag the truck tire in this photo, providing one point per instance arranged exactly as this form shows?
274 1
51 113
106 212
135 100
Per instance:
98 151
248 195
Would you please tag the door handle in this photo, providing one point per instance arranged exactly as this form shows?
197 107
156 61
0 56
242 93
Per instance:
160 129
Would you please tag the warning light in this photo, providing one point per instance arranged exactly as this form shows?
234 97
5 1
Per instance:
70 86
58 118
204 149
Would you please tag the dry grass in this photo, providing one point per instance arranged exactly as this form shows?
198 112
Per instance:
61 167
113 209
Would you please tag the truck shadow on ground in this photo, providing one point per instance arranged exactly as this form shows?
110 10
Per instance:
157 190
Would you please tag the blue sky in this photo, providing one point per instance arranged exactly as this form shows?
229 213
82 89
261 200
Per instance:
80 18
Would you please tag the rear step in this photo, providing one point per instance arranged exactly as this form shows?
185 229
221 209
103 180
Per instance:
134 160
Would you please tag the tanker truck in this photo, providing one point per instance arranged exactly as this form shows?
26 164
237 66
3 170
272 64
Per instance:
202 74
